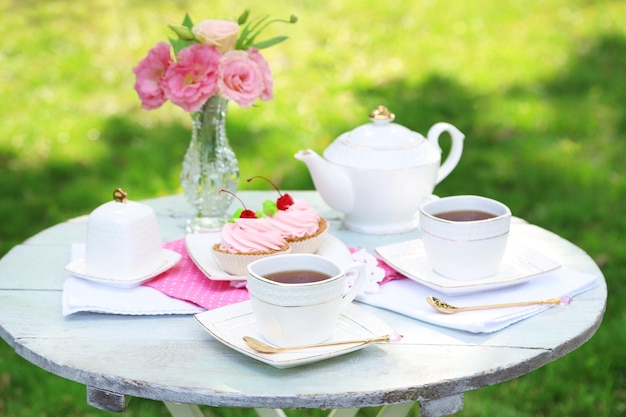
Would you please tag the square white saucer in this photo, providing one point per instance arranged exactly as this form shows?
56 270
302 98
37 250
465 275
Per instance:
519 264
231 323
78 268
199 248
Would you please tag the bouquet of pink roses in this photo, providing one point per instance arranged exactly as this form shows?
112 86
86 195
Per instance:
210 57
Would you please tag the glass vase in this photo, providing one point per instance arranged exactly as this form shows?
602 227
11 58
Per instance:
209 166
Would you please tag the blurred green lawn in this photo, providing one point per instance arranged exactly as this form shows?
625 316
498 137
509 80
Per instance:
538 87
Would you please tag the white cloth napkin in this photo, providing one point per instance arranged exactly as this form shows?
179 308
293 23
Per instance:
82 295
409 298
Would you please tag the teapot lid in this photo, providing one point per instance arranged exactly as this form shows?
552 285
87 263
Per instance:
381 144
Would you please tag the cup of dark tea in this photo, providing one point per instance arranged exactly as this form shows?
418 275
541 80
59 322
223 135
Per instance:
465 236
296 299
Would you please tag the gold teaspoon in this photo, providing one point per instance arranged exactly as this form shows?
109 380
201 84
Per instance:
444 307
263 347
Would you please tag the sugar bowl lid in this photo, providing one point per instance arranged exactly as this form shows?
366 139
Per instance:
381 144
121 210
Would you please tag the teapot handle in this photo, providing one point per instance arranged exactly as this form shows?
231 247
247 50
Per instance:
455 151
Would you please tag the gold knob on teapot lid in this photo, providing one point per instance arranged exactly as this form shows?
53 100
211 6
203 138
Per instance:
382 113
120 195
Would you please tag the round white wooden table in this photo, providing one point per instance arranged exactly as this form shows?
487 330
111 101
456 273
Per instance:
172 359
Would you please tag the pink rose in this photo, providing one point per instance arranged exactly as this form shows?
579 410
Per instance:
189 82
266 73
244 76
149 76
219 33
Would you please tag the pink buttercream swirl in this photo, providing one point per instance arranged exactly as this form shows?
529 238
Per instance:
251 235
297 221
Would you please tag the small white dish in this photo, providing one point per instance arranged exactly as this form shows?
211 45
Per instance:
519 264
231 323
78 268
199 248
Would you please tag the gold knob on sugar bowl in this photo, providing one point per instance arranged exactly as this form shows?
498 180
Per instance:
120 195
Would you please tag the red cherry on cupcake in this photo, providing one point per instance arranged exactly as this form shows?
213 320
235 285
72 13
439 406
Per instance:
245 214
284 201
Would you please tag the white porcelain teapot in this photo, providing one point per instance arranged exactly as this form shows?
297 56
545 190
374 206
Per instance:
380 173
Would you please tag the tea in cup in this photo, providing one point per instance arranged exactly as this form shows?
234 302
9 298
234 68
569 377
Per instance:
297 298
465 236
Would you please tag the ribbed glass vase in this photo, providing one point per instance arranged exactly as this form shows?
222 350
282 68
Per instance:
209 166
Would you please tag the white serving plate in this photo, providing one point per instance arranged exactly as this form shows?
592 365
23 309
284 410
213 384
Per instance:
199 246
519 264
231 323
78 268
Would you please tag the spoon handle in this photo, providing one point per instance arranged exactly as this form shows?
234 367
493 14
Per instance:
556 300
339 343
266 348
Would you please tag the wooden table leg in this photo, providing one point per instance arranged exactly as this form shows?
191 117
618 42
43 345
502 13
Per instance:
344 412
395 410
106 400
270 412
183 410
442 406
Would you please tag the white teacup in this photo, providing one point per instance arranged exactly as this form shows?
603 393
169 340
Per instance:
298 313
465 236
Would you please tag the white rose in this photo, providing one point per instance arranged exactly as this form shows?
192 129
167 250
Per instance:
219 33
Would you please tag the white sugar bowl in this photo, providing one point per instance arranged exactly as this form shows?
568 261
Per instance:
123 239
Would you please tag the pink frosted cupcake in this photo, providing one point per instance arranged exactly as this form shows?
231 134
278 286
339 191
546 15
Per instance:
246 238
300 224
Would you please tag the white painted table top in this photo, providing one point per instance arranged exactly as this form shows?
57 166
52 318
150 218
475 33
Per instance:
171 358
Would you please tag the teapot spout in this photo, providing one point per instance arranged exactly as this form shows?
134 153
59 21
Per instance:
333 185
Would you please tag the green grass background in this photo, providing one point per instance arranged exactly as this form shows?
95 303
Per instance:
538 87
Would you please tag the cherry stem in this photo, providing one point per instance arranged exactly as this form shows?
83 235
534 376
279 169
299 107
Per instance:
268 180
234 195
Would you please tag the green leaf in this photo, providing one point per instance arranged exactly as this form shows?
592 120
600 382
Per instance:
269 207
235 215
270 42
244 42
184 33
187 21
180 44
254 28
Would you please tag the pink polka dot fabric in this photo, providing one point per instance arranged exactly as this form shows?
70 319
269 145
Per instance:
186 282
